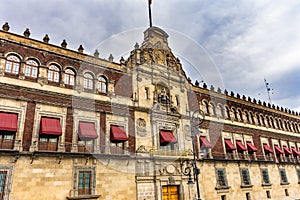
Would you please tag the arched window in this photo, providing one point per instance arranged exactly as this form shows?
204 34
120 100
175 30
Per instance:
53 73
206 107
247 117
221 110
258 119
240 115
212 109
69 77
252 118
280 124
88 81
12 64
31 68
262 120
102 84
234 113
227 112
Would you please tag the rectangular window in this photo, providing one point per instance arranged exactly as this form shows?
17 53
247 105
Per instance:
245 177
223 197
283 176
265 177
248 196
2 183
5 181
221 178
85 181
146 93
268 194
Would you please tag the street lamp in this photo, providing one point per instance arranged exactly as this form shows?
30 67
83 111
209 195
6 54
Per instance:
189 167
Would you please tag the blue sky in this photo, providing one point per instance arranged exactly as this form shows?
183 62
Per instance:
240 42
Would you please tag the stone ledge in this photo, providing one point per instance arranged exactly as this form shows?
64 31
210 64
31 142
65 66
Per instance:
87 197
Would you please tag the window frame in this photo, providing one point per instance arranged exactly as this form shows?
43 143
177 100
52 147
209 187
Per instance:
265 177
53 74
219 179
283 177
245 177
92 184
102 84
69 77
8 181
32 67
88 82
15 64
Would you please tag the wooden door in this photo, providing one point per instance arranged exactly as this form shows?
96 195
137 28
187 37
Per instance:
170 192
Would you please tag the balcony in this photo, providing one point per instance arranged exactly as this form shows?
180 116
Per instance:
7 143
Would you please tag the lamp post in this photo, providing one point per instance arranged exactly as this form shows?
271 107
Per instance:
189 167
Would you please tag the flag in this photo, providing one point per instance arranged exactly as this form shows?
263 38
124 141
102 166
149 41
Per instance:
150 1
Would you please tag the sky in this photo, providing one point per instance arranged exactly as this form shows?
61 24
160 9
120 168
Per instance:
230 44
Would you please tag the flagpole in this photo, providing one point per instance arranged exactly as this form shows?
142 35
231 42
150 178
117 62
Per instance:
150 17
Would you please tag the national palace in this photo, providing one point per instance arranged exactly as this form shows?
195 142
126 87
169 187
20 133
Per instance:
76 126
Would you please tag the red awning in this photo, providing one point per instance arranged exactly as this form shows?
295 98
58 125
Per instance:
251 147
8 122
87 130
50 126
240 146
278 150
267 149
229 145
166 137
287 151
204 143
117 134
295 152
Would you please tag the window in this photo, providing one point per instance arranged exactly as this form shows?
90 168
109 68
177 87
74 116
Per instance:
167 140
283 177
85 181
31 68
69 77
286 191
118 136
221 111
265 177
102 84
50 130
221 178
146 93
227 112
88 81
223 197
12 64
53 73
7 139
268 194
5 181
248 196
245 177
8 129
87 135
2 183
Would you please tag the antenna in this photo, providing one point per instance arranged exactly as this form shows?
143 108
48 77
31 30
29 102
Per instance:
268 90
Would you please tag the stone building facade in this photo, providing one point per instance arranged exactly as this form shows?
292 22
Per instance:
75 126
